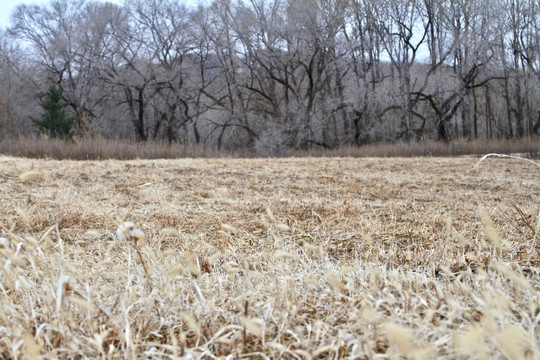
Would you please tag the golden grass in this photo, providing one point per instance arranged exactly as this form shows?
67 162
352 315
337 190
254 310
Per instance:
268 258
101 149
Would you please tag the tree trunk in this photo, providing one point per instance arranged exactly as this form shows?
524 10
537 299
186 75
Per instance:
519 109
466 116
441 131
536 126
509 130
489 117
196 132
139 124
475 113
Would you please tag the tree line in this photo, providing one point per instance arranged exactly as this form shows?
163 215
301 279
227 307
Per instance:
276 74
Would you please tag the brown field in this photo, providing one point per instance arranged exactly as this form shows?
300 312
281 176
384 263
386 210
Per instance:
270 258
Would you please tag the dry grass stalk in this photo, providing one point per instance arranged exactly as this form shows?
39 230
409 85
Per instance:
346 259
30 175
101 149
504 156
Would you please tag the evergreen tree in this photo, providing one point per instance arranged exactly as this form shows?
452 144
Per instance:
54 120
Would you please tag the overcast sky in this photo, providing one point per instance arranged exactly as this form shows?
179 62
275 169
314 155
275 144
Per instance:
7 7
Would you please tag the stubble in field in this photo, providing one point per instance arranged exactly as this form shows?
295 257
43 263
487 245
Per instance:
267 258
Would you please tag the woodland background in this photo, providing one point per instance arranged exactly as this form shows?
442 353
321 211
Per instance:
272 75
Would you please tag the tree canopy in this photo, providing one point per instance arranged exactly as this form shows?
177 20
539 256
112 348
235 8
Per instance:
54 121
279 74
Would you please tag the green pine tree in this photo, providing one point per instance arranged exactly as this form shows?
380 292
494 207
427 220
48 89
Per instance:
54 120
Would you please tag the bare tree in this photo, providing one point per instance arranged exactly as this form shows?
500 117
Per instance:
280 74
67 40
402 34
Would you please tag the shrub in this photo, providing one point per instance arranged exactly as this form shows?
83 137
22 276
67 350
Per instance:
54 121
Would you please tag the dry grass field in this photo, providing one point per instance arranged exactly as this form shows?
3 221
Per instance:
295 258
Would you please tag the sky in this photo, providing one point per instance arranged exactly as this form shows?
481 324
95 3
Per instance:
7 7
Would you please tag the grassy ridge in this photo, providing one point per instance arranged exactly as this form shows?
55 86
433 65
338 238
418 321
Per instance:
303 258
98 148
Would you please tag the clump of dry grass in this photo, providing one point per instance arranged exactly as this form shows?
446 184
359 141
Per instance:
125 149
527 147
102 149
292 258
